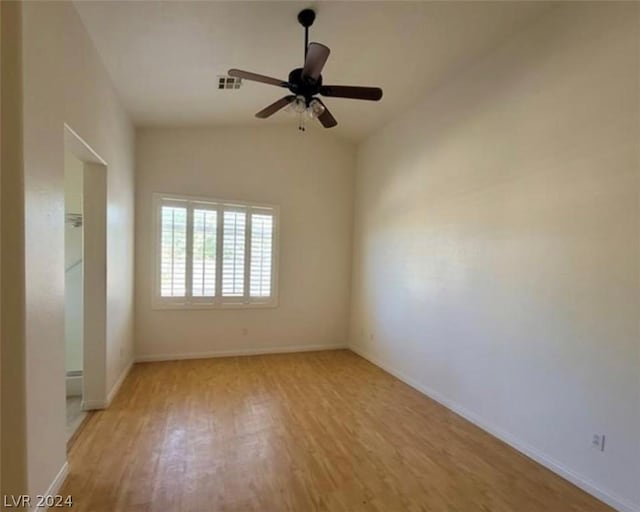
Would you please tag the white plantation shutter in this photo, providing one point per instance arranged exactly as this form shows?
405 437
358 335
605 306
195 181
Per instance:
233 247
261 254
173 250
203 254
214 253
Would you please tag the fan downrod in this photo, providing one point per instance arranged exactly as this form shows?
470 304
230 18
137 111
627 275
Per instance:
306 17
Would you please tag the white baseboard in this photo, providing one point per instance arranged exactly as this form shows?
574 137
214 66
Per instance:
57 483
116 387
583 483
93 405
74 385
239 352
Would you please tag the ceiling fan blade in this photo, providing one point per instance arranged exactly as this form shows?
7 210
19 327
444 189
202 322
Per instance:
353 92
246 75
274 107
326 118
317 55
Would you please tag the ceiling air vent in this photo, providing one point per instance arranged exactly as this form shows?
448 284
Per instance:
229 82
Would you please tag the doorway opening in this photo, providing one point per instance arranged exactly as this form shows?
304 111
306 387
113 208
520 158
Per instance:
73 290
85 187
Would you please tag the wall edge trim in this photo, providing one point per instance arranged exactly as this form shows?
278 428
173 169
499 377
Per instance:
56 484
116 387
240 352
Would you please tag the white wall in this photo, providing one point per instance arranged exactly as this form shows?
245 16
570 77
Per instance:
12 346
496 256
72 264
310 176
64 81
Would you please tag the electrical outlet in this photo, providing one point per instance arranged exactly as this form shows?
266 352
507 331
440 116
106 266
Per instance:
245 331
598 442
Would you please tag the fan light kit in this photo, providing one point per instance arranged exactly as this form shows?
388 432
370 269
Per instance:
313 110
306 83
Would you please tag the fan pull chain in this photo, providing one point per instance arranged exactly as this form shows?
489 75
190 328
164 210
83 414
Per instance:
301 126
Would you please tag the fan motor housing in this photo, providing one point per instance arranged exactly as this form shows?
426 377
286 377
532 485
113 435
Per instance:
302 87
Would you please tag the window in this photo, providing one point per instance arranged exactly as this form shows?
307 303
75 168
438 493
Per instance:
212 253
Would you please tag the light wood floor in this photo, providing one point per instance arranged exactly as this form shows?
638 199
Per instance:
323 431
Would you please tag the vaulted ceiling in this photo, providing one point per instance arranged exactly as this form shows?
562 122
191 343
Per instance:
165 57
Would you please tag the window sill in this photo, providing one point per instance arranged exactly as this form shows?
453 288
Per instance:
159 305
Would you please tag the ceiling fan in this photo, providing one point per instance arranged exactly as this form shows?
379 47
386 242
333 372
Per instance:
306 83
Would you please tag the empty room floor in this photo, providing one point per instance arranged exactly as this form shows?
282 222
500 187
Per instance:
296 432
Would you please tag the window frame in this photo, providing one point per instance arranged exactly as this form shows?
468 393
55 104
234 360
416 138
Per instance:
218 301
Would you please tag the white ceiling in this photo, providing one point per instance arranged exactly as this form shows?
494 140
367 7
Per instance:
165 57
